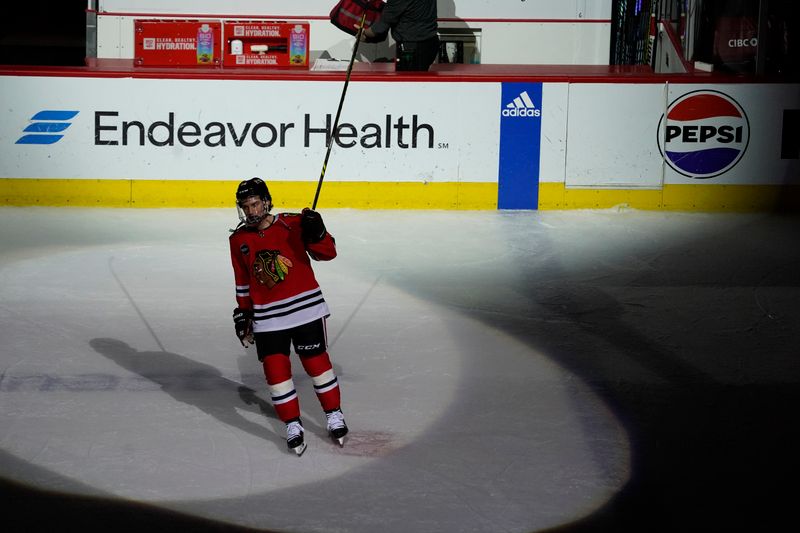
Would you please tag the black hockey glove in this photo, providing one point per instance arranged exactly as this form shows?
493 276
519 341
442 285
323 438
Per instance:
243 322
312 225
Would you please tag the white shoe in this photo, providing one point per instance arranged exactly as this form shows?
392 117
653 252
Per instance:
336 426
294 437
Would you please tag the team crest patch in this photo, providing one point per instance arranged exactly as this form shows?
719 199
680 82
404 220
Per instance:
271 268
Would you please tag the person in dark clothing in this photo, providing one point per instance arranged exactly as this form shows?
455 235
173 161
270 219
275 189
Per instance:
414 28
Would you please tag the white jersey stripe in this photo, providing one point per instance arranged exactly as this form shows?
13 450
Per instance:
286 302
296 318
290 312
264 314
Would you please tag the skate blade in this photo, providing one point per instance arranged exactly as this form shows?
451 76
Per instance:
341 442
300 449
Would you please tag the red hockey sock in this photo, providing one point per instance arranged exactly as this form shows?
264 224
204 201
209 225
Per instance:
278 371
325 383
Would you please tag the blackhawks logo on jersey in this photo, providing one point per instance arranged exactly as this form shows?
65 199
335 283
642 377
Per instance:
270 267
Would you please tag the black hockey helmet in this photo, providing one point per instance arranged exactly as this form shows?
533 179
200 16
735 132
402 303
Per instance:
252 187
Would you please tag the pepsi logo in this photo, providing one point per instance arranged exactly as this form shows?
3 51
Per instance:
705 134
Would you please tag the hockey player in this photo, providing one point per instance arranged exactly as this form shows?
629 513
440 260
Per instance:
279 303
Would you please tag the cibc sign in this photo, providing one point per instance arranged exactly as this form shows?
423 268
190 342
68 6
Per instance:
703 134
743 43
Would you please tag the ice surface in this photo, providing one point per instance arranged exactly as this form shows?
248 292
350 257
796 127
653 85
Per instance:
500 371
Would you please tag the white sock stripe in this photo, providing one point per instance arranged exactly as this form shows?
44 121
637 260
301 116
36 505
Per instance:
326 389
285 399
280 389
324 378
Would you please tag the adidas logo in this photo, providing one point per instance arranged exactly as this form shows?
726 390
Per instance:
46 127
522 106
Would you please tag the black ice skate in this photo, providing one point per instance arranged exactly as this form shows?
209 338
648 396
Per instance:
294 437
336 426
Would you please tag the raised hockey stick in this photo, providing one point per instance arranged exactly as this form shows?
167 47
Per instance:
339 111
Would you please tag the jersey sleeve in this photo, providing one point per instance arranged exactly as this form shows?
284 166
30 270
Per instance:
324 250
241 275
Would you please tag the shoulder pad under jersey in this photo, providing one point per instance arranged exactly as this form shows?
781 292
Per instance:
241 228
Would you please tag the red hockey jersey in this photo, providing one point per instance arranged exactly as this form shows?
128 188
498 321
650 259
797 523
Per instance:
273 274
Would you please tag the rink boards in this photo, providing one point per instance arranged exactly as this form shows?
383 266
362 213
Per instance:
441 144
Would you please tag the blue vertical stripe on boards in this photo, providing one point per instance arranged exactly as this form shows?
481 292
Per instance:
520 145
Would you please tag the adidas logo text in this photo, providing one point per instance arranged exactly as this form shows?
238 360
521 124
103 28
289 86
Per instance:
522 106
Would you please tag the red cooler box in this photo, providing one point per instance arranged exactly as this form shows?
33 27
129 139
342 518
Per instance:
177 43
266 44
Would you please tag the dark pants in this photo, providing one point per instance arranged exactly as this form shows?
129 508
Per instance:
416 55
308 339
